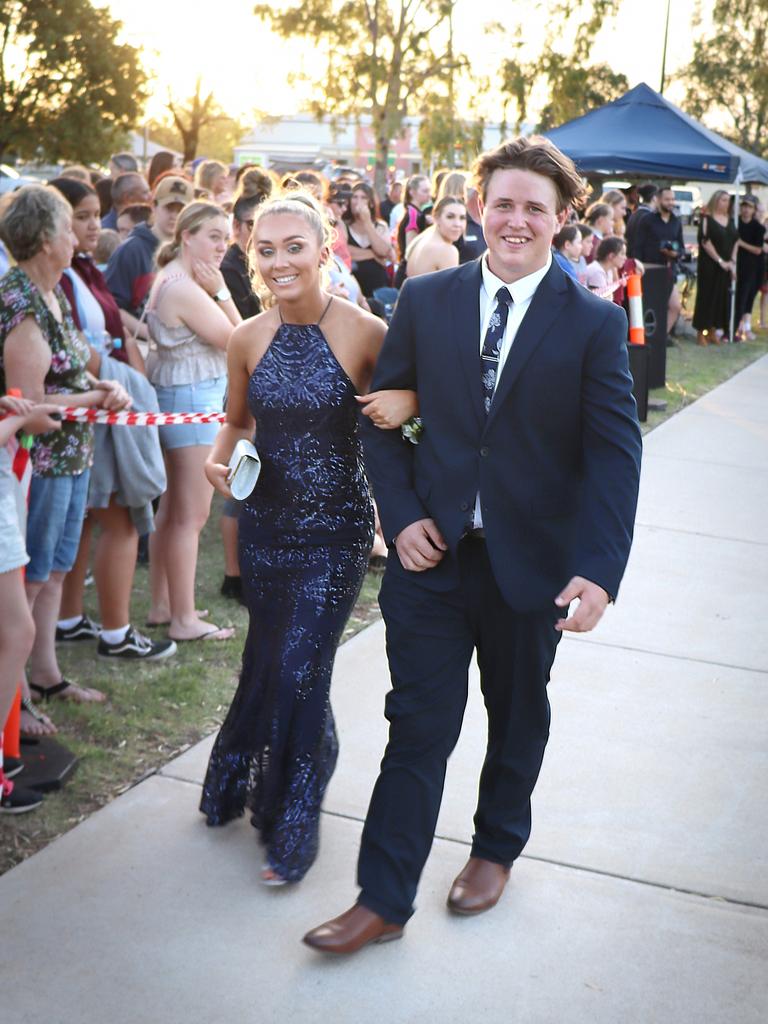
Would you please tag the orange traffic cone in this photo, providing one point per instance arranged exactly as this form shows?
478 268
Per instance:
635 297
11 734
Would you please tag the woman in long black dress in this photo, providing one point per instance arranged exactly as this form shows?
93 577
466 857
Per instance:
305 535
750 264
718 242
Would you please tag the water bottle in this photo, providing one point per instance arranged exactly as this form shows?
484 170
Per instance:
101 341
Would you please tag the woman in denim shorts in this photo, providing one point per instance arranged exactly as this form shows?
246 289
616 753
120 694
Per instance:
190 318
41 354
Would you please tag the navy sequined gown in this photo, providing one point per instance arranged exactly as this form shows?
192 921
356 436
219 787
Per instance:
305 536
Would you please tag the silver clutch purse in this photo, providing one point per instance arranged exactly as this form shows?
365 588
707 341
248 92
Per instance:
244 469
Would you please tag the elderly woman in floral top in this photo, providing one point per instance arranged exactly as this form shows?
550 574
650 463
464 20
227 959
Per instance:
41 354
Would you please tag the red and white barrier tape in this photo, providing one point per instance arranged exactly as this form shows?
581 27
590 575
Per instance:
140 419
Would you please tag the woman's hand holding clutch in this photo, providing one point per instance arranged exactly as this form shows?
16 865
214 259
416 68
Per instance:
216 474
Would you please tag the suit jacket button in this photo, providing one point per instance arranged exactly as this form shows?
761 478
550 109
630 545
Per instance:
464 506
484 451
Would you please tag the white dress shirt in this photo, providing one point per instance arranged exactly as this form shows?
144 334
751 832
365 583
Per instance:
522 292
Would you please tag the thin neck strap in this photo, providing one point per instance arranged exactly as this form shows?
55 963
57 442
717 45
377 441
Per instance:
322 315
166 281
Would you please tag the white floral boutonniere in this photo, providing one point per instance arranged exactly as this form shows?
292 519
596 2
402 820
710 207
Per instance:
412 429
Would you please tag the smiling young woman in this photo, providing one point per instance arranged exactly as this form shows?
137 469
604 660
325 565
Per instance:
305 533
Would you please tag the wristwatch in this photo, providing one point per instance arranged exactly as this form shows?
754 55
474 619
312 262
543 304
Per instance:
222 295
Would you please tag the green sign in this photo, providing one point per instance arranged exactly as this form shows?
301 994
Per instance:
251 158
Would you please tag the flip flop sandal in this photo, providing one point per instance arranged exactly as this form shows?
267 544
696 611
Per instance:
210 635
34 738
203 613
46 692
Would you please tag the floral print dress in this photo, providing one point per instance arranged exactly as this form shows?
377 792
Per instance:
69 451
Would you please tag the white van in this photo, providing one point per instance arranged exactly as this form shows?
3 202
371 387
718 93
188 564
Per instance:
687 201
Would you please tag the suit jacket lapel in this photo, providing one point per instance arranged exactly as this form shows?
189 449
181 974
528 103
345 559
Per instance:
465 302
544 308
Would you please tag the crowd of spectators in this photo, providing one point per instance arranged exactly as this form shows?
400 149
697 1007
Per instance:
123 289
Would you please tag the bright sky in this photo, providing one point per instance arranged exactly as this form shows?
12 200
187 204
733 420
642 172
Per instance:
247 67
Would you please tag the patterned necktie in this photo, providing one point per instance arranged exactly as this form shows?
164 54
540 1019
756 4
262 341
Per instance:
492 344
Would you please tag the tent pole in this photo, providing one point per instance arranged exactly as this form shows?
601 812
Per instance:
664 53
732 321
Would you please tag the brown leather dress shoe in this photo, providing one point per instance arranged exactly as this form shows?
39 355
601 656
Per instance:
358 927
478 886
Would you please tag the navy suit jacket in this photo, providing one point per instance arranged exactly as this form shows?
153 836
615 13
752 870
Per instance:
556 460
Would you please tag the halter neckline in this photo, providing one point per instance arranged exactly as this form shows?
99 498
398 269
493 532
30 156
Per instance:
322 316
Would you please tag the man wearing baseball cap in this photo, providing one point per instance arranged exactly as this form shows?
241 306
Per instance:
131 268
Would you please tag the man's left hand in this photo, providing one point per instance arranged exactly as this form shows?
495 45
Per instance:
592 603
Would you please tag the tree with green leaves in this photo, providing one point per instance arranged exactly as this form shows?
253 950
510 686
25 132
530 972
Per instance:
68 89
727 79
575 89
379 56
444 138
574 85
216 141
200 125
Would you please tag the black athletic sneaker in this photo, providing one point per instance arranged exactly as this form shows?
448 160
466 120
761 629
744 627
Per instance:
12 766
137 647
85 629
16 800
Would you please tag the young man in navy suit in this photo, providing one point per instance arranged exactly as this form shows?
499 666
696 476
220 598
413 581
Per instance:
519 499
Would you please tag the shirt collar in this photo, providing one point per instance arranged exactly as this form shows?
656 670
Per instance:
521 290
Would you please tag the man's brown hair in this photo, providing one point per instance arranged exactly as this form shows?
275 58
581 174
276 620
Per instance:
535 154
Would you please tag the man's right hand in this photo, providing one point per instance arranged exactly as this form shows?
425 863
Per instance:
420 546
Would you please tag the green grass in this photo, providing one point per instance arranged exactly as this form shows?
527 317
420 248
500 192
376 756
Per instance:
156 711
693 371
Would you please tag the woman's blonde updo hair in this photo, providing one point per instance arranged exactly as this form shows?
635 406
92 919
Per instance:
191 219
299 204
256 183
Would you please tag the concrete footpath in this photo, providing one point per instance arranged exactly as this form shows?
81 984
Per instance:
642 897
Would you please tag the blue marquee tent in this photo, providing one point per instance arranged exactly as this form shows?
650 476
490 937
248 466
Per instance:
643 134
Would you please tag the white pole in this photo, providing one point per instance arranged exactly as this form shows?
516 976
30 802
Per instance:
732 322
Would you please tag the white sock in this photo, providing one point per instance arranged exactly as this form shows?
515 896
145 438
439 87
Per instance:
114 636
69 623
